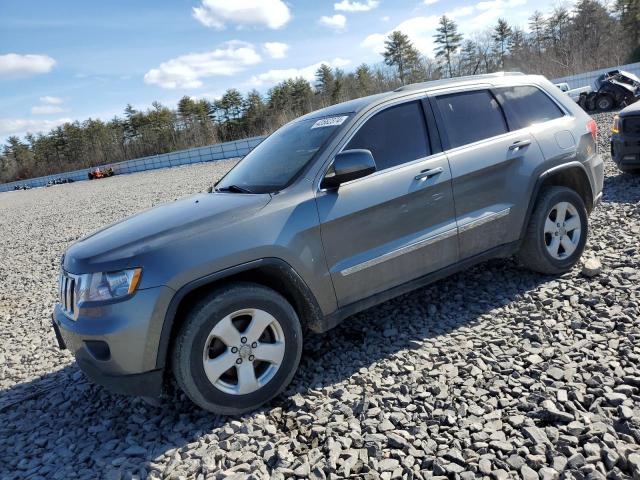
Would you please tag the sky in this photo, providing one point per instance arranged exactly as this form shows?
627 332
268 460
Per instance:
70 60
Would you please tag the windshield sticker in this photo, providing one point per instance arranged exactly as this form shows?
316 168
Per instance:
330 122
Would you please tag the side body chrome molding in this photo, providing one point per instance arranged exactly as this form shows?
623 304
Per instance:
425 242
400 251
483 220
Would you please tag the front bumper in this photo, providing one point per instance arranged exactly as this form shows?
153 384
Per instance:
116 344
625 151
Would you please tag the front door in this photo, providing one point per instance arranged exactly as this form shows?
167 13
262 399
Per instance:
397 224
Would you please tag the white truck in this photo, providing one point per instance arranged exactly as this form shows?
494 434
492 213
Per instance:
574 93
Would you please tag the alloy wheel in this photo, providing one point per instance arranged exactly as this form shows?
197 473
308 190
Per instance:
562 230
244 351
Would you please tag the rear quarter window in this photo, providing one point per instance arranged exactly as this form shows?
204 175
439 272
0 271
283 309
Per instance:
470 116
527 105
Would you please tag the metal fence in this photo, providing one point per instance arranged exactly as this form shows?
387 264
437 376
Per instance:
587 79
220 151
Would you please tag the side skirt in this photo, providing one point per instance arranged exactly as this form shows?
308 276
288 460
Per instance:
339 315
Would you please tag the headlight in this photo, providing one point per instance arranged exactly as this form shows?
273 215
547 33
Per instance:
96 287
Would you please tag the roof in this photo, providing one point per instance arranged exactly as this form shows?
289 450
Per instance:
354 106
455 80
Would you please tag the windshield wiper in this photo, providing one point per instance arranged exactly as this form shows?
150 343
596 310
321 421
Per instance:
233 189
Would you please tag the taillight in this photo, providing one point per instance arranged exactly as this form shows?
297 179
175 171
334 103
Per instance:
592 126
616 125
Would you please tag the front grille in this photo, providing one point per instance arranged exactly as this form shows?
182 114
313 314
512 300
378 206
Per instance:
68 294
631 125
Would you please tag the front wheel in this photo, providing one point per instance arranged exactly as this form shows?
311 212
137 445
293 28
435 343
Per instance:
557 232
238 348
604 102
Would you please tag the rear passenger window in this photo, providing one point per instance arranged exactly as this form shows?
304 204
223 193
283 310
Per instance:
470 117
527 105
395 136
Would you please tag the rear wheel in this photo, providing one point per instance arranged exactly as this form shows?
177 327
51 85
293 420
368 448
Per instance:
557 232
238 348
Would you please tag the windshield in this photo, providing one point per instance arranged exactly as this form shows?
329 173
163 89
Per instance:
275 163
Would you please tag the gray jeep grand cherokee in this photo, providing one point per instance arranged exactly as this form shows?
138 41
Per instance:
335 212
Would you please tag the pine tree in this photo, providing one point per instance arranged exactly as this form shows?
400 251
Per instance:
447 40
501 36
401 54
325 80
364 79
629 13
469 58
537 25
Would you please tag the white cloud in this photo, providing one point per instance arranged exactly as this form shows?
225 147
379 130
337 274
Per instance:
337 22
486 13
430 2
308 73
276 49
386 18
419 29
355 6
217 13
46 109
493 4
48 100
15 65
187 71
461 12
21 126
48 106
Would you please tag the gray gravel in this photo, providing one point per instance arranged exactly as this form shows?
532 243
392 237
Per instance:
495 373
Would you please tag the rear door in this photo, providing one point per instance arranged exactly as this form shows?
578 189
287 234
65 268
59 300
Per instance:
394 225
489 166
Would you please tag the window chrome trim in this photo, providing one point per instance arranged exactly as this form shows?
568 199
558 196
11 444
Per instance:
483 220
399 251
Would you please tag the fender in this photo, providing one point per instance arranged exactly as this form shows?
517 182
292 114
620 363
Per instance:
538 185
313 312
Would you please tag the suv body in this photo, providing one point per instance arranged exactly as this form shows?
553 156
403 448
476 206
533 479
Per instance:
625 139
461 166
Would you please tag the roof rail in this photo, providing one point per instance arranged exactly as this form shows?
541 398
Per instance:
444 81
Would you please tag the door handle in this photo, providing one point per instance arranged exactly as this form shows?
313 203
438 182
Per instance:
519 144
432 172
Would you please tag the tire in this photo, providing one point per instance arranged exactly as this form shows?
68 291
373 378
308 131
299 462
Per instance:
604 102
540 238
213 332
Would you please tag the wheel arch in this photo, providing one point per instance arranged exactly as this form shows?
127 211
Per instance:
572 175
273 273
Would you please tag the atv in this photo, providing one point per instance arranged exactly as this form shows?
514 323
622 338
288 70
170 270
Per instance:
613 89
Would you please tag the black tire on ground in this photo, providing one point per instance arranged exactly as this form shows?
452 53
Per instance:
189 347
604 102
534 252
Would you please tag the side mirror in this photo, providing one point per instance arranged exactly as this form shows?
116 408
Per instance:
349 165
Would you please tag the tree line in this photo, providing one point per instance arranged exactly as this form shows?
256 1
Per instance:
560 42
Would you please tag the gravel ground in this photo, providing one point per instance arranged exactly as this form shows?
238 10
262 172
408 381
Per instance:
495 372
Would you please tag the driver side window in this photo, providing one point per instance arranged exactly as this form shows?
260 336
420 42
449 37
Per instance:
394 136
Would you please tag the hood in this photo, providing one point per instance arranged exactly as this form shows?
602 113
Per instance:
122 244
631 110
